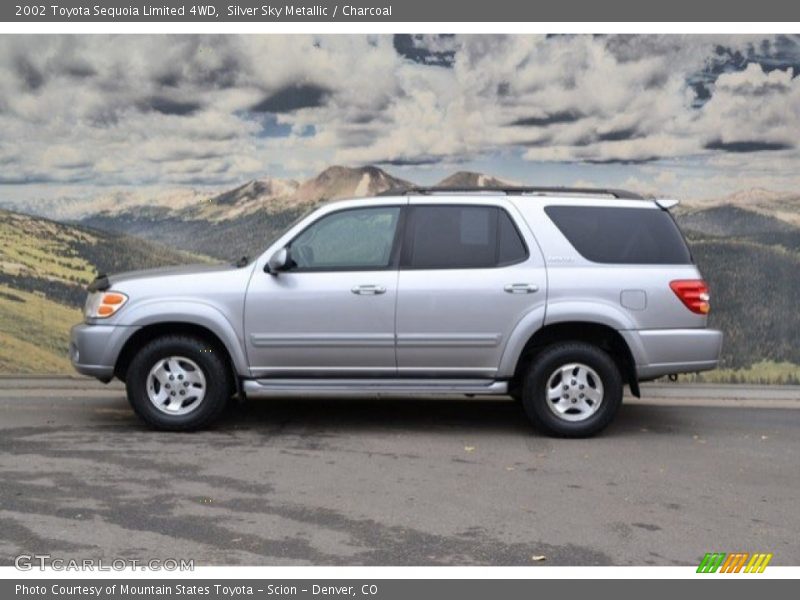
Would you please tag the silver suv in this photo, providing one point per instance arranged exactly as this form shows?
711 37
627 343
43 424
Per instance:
557 297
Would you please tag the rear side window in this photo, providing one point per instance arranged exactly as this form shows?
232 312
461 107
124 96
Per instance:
461 237
607 234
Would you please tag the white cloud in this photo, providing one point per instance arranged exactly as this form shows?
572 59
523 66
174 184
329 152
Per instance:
177 110
753 106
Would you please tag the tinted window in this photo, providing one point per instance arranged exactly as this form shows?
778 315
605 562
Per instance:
460 237
350 239
621 235
510 247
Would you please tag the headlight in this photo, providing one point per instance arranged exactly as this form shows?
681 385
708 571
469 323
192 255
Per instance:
101 305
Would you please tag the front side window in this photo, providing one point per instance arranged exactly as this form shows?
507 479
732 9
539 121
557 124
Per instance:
347 240
461 237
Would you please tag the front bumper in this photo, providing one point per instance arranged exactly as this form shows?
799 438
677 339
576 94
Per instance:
660 352
94 349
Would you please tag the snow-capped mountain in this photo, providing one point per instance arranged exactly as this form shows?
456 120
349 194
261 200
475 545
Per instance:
469 179
346 182
239 221
270 194
278 195
73 208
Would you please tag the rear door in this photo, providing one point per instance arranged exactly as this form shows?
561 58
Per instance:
468 274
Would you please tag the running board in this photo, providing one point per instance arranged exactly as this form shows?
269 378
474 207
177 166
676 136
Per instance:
270 387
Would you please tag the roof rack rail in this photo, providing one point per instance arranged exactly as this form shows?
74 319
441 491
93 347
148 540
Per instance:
509 190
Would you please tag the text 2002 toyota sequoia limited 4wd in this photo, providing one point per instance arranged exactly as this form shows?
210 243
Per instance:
557 297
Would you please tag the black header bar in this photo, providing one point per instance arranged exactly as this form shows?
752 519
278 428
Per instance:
383 11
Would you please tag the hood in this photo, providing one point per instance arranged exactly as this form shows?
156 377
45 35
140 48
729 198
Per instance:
168 272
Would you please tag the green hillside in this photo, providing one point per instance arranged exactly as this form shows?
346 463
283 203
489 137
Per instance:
754 300
44 268
34 333
736 223
752 263
228 239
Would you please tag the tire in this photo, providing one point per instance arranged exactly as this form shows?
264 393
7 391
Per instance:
575 411
182 364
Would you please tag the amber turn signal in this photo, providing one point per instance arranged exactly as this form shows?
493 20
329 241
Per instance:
101 305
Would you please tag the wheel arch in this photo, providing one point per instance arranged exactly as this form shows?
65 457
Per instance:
153 331
598 334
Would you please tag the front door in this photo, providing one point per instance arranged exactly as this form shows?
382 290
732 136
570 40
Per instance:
331 313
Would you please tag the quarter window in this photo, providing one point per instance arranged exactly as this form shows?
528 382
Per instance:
510 247
622 235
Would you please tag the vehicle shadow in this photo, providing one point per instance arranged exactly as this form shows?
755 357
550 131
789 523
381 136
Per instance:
472 415
379 413
408 414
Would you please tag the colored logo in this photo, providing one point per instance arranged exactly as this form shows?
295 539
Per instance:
735 562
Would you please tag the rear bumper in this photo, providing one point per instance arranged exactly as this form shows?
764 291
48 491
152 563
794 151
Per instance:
659 352
94 349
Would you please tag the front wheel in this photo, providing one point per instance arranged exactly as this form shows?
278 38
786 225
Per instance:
178 383
572 389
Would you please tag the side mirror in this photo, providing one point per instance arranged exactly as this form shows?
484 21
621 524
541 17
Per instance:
278 261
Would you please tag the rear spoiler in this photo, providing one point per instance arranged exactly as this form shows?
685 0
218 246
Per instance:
667 203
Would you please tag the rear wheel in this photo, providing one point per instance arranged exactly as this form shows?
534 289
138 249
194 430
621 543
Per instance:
178 383
572 389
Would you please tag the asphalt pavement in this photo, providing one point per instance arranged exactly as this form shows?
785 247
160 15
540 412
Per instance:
389 481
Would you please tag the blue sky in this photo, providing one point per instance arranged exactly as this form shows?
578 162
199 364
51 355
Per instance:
676 115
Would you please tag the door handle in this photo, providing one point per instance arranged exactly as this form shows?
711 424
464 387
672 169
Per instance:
521 288
368 290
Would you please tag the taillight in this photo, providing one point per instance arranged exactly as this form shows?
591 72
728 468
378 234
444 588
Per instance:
693 293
